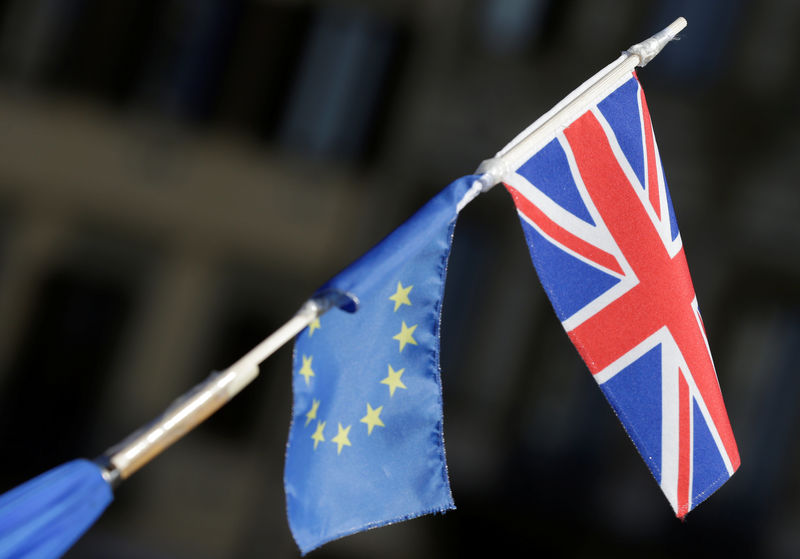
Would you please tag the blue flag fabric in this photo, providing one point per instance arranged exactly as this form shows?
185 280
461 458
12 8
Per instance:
366 446
45 516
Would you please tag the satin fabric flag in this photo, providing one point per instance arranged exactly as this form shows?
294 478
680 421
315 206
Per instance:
366 446
603 237
45 516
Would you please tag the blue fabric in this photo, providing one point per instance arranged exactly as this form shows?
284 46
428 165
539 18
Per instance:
635 395
557 183
617 109
673 221
45 516
570 283
365 445
709 471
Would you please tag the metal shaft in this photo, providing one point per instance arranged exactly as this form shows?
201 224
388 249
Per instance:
202 401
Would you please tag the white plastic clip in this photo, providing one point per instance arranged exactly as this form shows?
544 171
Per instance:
492 172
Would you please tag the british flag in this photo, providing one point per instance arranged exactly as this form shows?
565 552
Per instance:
602 233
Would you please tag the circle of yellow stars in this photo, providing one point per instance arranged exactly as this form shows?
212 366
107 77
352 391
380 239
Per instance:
393 379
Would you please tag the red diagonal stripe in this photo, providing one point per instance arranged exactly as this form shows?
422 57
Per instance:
684 446
561 235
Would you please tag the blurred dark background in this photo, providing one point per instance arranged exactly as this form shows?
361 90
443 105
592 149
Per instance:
177 177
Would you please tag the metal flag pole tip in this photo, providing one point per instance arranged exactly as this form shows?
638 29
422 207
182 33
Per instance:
494 170
648 49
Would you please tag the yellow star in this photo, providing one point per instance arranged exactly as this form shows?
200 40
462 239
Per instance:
372 418
315 325
341 438
400 296
312 413
405 336
317 436
306 369
393 380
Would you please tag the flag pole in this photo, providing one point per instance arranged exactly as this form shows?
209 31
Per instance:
194 407
540 132
187 412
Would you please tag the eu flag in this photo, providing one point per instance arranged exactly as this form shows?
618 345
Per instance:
366 447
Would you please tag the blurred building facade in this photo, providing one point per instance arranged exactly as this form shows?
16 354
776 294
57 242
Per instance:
177 177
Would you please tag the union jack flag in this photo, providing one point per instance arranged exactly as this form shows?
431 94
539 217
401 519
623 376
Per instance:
602 233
